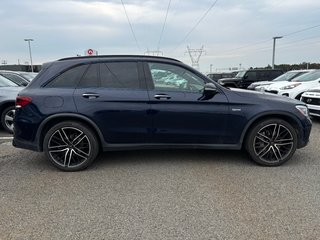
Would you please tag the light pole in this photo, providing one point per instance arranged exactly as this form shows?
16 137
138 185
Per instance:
29 40
274 49
211 65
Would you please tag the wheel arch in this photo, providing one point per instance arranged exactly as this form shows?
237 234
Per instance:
291 119
57 118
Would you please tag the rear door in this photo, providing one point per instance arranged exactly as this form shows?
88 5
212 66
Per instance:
114 96
179 113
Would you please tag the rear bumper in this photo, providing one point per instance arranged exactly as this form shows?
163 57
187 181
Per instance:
25 145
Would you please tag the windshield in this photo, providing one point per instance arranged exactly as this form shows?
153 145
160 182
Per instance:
240 74
4 82
287 76
311 76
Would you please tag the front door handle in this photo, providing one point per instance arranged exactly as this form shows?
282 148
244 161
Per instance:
162 96
90 95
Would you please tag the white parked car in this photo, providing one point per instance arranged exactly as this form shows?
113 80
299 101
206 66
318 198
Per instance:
297 86
312 99
286 77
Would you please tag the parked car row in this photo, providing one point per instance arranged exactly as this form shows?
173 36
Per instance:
303 85
11 83
286 77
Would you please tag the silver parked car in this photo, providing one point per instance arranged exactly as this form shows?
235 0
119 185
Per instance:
8 94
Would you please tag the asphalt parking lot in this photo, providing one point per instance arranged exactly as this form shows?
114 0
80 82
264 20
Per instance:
157 194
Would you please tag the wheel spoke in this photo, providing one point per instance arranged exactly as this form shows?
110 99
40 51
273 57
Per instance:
80 153
62 137
264 151
264 137
58 147
78 139
276 152
59 155
67 157
65 136
8 118
275 131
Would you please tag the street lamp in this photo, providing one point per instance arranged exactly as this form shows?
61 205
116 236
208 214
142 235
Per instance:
29 40
274 49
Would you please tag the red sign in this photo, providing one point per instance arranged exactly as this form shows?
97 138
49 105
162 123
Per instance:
89 51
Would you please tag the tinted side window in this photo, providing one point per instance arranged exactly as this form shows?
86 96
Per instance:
69 78
251 75
275 74
90 78
170 77
264 74
119 75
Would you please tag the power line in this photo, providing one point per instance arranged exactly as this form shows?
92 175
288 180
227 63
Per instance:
282 46
196 25
268 40
133 34
164 23
301 30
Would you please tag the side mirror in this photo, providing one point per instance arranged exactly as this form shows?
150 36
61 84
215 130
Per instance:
209 91
209 88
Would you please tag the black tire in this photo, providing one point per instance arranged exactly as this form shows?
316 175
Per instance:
7 118
271 142
71 146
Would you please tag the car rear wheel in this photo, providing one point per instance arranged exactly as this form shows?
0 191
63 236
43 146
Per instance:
71 146
272 142
7 117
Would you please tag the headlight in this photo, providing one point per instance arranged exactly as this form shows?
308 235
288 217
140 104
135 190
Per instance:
303 109
290 86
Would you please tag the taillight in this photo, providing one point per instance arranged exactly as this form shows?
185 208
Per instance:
22 101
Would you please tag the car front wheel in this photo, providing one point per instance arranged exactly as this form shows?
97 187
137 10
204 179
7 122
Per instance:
272 142
71 146
7 117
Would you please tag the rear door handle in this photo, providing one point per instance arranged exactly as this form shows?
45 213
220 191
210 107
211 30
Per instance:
90 95
161 96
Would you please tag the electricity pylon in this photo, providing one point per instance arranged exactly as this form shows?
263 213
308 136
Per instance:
195 55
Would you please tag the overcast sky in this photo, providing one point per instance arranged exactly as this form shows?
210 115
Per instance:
233 32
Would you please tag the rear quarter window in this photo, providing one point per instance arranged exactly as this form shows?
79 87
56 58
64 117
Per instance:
69 78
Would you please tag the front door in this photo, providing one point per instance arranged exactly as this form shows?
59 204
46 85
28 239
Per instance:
179 113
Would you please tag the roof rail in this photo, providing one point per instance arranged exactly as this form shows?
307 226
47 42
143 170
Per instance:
115 56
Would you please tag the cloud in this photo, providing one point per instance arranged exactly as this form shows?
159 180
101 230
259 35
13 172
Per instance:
233 31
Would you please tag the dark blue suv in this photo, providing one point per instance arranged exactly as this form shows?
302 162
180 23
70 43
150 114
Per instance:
78 106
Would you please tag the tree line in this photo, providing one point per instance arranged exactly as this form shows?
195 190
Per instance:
288 67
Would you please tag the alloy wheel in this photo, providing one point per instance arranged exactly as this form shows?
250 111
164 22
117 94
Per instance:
8 119
69 147
273 143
